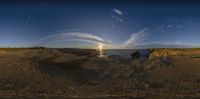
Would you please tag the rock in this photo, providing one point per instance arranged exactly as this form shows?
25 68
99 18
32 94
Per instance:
165 61
136 55
159 53
141 54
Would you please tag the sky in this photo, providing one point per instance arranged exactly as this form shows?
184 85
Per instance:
86 23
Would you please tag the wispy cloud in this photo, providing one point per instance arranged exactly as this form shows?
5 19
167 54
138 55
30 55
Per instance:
135 39
169 26
117 11
116 14
117 18
74 36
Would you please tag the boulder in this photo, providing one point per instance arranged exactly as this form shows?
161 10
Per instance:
136 55
140 54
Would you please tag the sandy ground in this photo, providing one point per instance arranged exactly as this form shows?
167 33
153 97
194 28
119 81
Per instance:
70 73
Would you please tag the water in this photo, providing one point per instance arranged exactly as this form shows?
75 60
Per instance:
124 53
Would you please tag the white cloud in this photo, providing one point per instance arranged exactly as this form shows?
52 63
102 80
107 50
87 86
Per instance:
135 39
117 18
117 15
118 12
74 36
169 25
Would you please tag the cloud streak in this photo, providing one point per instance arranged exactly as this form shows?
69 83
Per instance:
135 39
74 36
117 11
117 15
117 18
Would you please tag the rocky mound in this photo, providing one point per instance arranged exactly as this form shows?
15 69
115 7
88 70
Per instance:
156 53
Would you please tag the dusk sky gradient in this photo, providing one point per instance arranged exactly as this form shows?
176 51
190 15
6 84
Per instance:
23 24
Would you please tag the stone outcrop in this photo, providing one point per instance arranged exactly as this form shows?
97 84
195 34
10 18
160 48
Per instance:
136 55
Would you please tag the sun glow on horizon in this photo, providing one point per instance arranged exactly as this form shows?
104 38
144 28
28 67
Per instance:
100 47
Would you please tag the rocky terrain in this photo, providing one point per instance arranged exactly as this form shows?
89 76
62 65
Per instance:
70 73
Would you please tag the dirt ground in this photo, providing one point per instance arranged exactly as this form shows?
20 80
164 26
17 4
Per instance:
70 73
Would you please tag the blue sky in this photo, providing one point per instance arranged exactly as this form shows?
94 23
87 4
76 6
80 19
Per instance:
23 25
